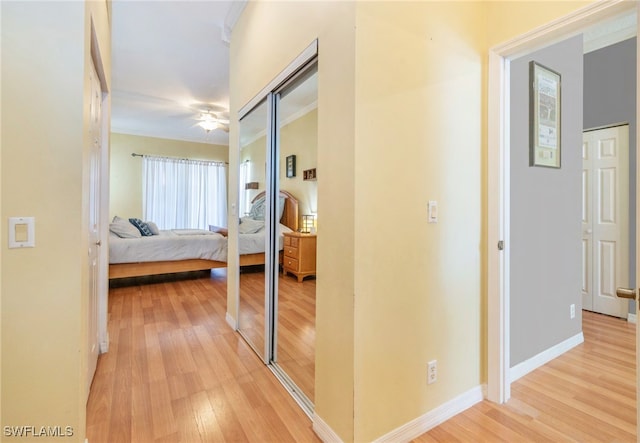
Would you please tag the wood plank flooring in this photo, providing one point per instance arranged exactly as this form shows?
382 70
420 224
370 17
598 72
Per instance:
176 372
296 323
586 395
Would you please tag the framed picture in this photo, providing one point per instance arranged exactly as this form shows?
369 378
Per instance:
291 166
544 117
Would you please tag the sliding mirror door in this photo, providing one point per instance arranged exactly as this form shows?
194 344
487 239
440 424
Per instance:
252 242
278 214
296 148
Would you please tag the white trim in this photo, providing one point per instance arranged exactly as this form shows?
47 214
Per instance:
562 28
324 431
522 369
498 212
498 179
433 418
231 321
632 318
104 345
230 20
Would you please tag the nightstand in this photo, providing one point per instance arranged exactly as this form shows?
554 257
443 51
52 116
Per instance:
299 254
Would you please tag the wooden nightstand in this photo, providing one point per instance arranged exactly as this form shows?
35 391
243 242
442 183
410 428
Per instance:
299 254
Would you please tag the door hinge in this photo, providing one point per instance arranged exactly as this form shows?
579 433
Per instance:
501 245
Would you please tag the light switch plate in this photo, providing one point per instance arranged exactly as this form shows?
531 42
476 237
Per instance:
22 232
432 211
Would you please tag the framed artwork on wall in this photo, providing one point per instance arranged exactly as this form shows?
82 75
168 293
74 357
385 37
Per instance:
544 116
291 166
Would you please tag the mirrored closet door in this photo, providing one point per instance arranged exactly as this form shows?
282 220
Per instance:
297 136
278 213
253 242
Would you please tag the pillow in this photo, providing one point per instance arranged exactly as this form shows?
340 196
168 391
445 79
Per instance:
250 226
142 227
257 209
259 206
153 228
123 229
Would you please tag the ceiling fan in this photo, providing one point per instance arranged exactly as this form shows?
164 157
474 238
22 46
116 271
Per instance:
210 121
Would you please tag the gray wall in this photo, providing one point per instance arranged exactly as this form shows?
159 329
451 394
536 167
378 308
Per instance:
545 212
610 97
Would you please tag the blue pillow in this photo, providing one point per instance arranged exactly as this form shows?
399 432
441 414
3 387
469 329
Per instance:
142 227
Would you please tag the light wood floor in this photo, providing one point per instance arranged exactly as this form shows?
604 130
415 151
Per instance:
585 395
296 323
176 372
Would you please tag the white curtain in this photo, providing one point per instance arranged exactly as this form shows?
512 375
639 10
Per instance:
180 193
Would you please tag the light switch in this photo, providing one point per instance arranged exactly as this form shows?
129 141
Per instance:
432 211
22 232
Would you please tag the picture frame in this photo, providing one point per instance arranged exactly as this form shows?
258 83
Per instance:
544 116
291 166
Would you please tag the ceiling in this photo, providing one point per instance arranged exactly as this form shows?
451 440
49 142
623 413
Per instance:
170 60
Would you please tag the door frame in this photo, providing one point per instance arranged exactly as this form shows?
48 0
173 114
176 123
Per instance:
498 173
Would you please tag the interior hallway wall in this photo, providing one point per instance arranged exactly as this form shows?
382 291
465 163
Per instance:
545 203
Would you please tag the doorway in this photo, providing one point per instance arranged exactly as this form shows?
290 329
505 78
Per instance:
499 222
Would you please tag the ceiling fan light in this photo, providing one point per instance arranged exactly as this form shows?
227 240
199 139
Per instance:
209 125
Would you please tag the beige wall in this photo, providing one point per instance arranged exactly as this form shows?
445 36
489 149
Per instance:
268 36
300 138
126 171
418 290
45 64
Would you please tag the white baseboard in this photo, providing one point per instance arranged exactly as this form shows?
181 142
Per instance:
433 418
231 321
104 346
324 431
522 369
632 318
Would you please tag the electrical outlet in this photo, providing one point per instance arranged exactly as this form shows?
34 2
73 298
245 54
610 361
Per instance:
572 311
432 371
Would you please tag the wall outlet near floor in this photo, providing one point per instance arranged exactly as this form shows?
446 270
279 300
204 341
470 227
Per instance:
572 311
432 371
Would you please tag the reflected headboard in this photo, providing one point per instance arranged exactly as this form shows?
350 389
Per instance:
290 214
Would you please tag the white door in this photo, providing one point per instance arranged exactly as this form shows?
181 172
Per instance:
94 222
605 219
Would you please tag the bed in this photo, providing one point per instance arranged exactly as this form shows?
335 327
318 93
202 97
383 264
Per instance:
194 250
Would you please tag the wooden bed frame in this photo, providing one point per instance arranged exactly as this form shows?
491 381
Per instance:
123 270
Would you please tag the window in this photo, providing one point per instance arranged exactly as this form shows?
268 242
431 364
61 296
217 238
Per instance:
182 193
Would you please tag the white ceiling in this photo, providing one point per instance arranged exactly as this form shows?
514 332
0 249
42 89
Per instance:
170 60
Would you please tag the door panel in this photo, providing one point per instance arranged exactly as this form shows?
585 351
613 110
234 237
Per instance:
605 236
95 135
587 260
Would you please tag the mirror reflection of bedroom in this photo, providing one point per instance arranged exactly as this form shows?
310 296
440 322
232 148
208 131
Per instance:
291 352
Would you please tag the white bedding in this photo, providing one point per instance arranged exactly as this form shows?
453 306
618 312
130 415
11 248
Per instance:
183 244
177 244
254 243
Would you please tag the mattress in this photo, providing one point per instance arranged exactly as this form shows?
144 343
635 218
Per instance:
176 244
255 243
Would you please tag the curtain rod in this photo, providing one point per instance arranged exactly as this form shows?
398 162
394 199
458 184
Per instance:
133 154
